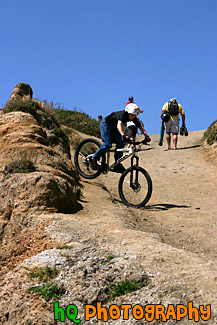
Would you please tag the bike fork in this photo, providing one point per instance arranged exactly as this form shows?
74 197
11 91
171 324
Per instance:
133 182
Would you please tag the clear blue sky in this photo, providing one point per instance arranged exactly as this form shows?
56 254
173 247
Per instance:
94 54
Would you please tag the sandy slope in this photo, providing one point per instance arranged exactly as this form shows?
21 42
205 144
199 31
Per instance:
176 232
182 209
174 236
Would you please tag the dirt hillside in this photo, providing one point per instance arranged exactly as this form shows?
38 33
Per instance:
169 246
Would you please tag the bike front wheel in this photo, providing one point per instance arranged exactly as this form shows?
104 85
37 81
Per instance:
135 187
83 152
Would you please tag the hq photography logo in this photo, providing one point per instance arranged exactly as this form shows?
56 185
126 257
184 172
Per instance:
138 312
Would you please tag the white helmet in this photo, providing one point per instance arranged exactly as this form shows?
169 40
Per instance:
132 109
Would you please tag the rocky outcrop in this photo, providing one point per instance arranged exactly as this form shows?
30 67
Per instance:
30 134
21 91
31 137
53 184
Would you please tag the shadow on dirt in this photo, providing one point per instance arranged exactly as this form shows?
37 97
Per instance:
191 147
166 206
146 149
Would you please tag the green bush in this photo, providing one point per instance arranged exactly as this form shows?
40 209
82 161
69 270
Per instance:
17 106
48 291
45 119
56 134
20 166
211 133
34 108
79 121
123 288
108 259
64 247
44 273
74 119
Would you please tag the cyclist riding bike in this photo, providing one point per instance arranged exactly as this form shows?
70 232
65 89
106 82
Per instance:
112 132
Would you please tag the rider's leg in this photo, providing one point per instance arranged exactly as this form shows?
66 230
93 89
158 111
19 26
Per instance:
116 137
119 144
106 138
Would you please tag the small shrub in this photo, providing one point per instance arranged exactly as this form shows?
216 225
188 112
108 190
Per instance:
55 136
123 288
48 291
42 273
20 106
65 255
20 166
108 259
211 133
64 247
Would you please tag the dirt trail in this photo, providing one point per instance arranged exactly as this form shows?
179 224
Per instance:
174 236
182 209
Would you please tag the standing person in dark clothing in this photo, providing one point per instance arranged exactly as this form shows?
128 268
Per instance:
100 118
112 132
131 129
130 100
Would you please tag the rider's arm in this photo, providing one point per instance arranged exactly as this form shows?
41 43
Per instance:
143 130
119 127
182 113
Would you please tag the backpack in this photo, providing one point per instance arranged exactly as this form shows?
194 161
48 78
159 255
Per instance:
165 116
173 108
131 131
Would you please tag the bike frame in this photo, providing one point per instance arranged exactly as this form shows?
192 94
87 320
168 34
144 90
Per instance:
130 151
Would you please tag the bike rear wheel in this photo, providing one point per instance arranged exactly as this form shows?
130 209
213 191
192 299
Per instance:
83 152
135 187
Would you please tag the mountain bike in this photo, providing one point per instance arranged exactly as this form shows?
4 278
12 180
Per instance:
135 185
